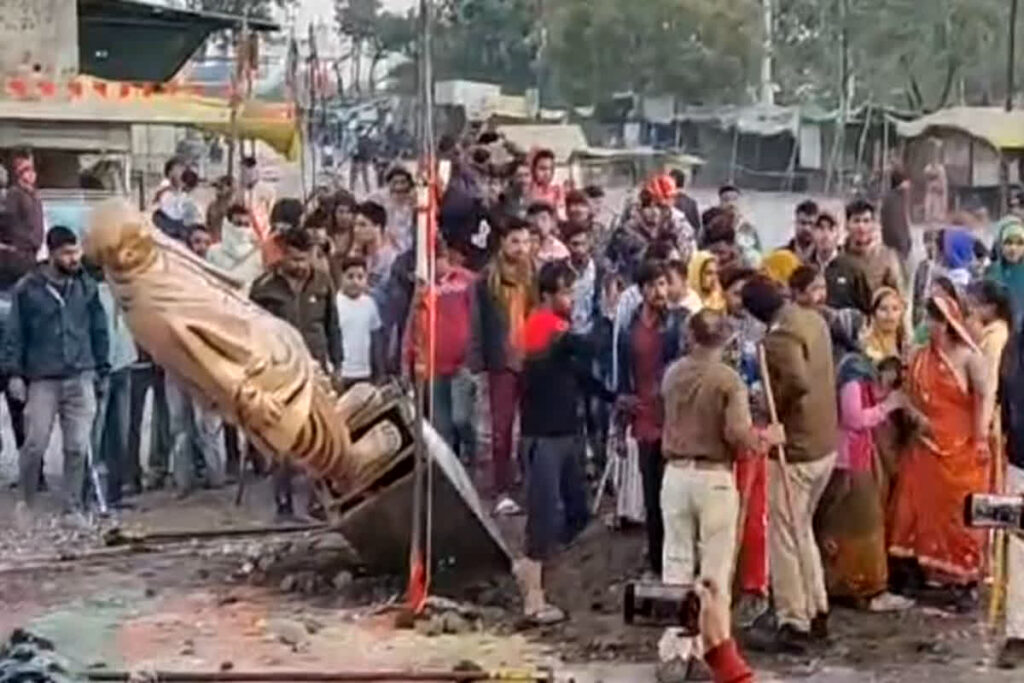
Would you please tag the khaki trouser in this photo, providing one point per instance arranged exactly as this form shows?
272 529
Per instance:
1014 564
700 509
798 580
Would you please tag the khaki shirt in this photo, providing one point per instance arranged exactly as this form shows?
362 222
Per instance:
707 411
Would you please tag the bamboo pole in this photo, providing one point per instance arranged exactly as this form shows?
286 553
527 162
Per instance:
780 452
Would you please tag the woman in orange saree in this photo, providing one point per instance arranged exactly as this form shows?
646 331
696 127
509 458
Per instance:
946 383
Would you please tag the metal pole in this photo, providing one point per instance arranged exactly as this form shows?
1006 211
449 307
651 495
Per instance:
767 50
419 546
1011 55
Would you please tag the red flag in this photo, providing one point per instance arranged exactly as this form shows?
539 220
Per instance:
100 88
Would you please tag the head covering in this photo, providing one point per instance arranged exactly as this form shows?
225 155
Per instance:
1010 274
779 265
1010 227
662 188
958 248
954 317
878 345
714 299
855 367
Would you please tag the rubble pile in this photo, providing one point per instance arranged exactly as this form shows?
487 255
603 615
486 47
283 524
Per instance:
26 658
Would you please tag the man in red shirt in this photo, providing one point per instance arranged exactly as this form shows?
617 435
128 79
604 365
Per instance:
652 341
454 389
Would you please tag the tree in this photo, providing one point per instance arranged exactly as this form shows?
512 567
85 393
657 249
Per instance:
373 34
702 51
919 56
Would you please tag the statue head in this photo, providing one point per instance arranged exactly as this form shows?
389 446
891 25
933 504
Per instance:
119 238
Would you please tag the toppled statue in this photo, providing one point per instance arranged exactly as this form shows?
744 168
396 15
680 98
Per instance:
251 367
254 369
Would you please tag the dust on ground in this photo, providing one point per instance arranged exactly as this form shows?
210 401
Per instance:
211 605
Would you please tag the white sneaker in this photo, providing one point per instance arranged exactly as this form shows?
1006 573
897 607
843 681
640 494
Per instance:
890 602
507 507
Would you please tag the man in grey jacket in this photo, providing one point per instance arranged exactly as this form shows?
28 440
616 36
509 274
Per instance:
57 342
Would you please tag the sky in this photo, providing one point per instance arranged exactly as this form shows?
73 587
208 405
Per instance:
312 10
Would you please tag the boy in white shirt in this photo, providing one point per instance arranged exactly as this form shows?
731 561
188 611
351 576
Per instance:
361 328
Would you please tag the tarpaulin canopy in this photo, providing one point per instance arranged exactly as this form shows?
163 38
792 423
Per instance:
1001 129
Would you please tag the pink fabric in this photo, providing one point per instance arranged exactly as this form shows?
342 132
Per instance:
857 417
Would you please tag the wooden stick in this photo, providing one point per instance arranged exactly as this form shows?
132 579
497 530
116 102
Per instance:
780 452
998 539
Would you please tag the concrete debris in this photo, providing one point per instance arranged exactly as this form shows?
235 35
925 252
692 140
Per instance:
289 632
26 657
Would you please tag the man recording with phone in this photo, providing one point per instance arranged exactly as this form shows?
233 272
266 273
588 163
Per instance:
707 421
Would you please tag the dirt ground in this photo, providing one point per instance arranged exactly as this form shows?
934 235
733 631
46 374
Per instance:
195 606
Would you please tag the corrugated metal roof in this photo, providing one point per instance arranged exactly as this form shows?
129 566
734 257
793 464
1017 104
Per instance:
1001 129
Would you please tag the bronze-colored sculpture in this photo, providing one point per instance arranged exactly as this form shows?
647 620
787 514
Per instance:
251 366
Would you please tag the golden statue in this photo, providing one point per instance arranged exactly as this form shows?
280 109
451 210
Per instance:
250 366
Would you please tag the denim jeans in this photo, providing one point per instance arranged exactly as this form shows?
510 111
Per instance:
194 430
556 493
110 432
454 401
73 400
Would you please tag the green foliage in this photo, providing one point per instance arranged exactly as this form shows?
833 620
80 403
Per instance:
914 54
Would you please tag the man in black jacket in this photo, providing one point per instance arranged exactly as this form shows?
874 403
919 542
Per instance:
295 291
556 368
57 341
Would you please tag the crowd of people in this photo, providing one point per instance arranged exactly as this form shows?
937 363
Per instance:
780 421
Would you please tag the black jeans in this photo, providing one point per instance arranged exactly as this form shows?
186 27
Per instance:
652 471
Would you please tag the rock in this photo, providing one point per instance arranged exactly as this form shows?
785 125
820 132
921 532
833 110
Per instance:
227 666
288 631
308 584
227 599
289 583
430 627
98 664
188 648
342 580
454 624
150 592
332 543
312 625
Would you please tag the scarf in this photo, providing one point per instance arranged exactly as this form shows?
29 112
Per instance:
879 345
855 367
957 248
714 298
1011 275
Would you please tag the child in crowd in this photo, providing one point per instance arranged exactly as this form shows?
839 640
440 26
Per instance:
360 323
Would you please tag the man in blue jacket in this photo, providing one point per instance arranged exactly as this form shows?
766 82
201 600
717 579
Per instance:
57 343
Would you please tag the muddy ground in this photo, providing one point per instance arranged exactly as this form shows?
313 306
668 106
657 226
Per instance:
213 605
